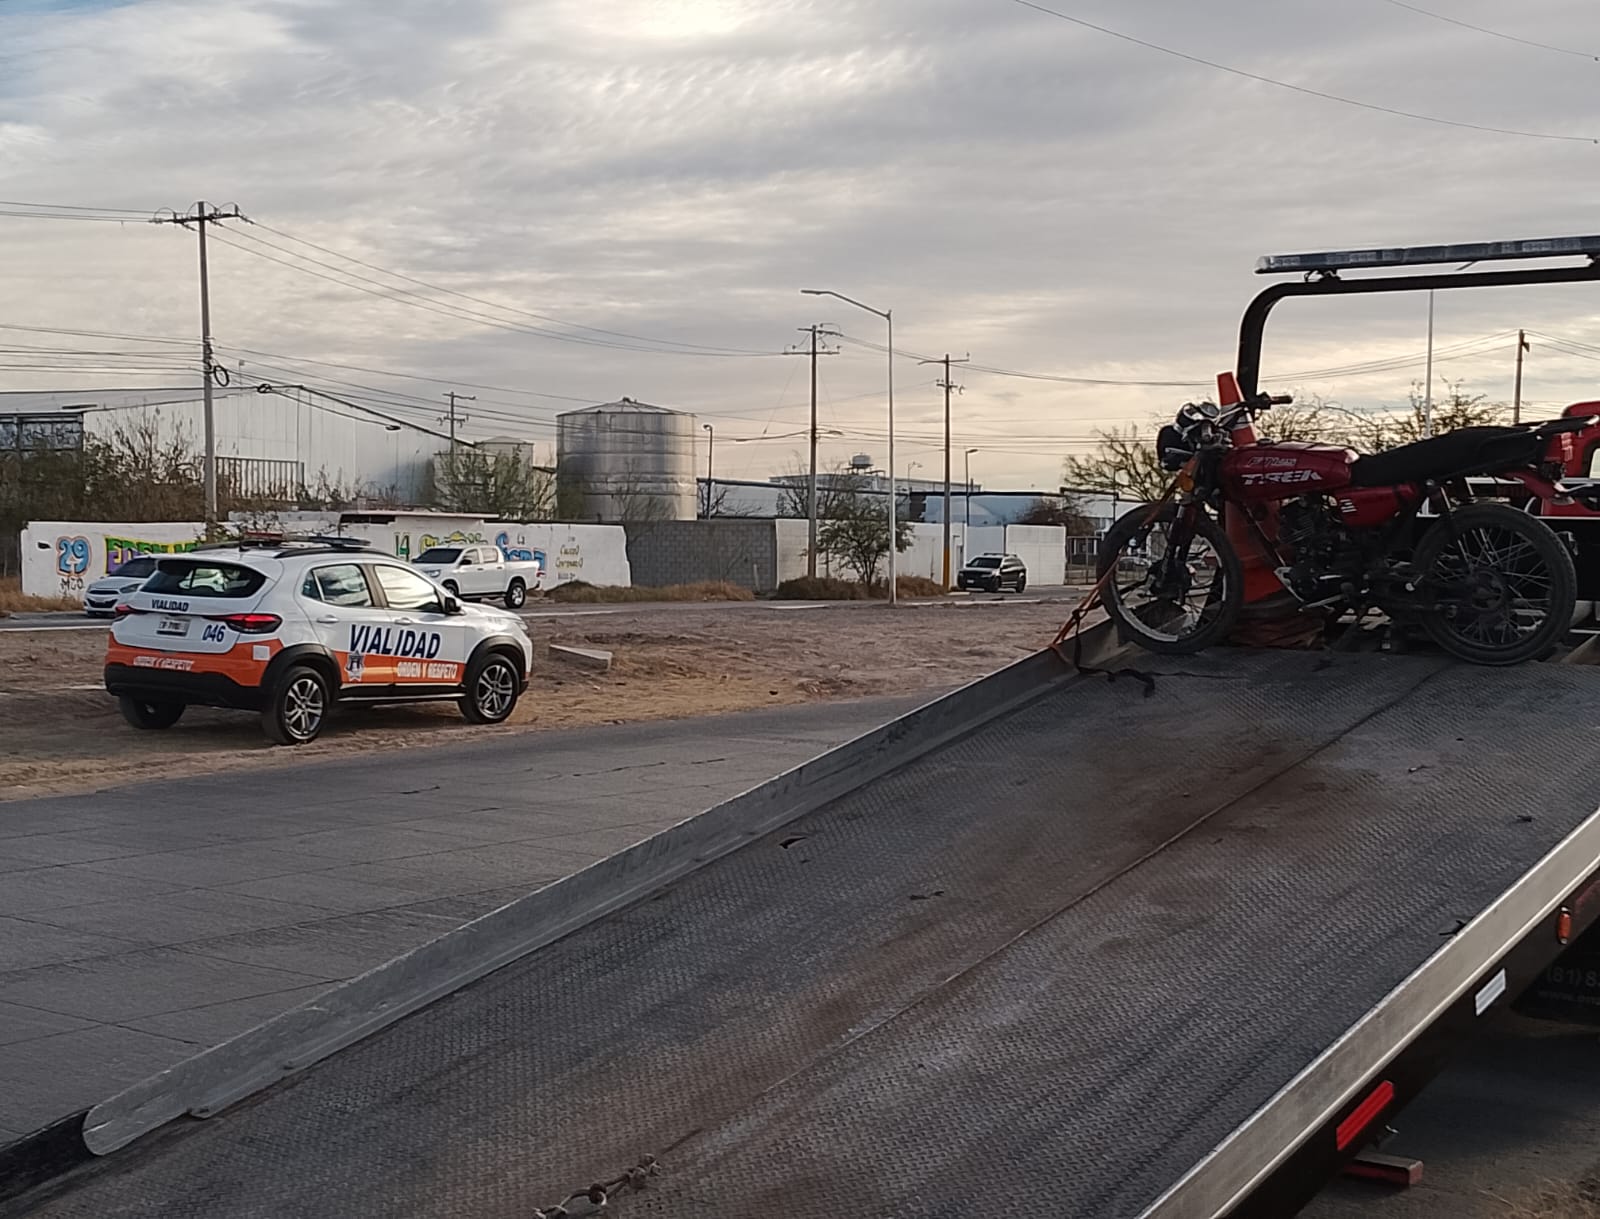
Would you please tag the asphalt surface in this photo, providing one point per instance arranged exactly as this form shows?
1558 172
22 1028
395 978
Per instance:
1514 1117
535 610
142 924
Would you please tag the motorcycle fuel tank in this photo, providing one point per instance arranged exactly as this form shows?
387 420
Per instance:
1285 470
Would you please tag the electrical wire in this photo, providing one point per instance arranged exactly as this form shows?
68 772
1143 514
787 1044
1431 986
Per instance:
25 215
508 308
1309 92
1467 25
407 296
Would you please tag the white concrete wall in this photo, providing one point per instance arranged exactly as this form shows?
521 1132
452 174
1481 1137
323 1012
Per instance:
924 557
59 558
1043 548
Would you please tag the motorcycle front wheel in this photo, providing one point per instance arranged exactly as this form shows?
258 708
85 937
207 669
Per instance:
1499 585
1161 602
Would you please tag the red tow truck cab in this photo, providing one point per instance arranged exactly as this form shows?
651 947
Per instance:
1579 455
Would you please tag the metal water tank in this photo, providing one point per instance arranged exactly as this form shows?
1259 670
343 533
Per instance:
626 461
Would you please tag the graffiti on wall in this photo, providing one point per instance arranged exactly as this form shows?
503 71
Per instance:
520 551
76 562
456 537
120 550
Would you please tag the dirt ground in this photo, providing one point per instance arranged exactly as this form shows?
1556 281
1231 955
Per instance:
62 733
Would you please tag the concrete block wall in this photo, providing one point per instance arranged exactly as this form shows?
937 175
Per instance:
740 551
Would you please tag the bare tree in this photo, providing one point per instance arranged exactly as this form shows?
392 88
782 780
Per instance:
489 483
856 529
1456 408
1125 464
1058 510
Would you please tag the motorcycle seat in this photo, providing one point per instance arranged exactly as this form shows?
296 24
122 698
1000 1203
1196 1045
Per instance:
1468 450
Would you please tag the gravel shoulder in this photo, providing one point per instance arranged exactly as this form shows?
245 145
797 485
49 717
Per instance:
63 733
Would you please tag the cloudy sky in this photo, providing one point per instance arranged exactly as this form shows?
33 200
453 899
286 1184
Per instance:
593 177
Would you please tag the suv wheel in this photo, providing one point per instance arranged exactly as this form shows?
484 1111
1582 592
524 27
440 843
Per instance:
297 708
148 713
516 594
491 689
1022 583
454 589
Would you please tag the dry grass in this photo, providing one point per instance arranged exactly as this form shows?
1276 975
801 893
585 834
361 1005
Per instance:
1580 1201
826 588
820 588
576 592
14 601
918 586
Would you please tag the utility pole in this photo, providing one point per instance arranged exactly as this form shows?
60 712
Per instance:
1516 401
1427 407
711 476
209 371
967 524
452 397
947 385
811 494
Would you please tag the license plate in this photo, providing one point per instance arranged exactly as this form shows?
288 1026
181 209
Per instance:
173 626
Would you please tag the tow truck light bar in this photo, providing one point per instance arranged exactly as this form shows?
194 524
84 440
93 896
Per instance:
1429 255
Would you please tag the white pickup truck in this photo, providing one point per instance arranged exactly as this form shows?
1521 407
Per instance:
480 572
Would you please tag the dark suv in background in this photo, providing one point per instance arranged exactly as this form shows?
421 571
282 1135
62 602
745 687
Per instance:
993 573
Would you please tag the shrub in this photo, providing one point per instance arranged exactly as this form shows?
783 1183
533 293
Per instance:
579 592
827 588
820 588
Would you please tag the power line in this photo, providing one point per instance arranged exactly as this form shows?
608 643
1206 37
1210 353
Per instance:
415 300
1467 25
26 215
78 207
508 308
1283 84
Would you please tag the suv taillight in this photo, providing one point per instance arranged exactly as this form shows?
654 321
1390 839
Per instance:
123 610
252 624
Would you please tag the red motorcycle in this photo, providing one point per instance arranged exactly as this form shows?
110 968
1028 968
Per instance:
1399 532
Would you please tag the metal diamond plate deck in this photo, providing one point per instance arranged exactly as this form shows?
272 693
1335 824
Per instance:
1041 972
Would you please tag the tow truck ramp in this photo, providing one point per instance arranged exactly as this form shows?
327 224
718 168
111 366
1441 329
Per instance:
1047 946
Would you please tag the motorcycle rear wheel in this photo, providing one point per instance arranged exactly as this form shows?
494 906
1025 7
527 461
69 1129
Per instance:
1173 613
1500 585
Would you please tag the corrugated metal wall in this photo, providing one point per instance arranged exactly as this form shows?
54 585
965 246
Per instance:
350 450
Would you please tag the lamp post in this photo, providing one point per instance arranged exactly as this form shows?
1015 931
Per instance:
711 452
888 316
966 523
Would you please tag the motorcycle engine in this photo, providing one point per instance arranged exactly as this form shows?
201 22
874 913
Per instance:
1312 532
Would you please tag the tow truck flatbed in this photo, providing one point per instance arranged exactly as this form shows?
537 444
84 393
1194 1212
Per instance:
1063 949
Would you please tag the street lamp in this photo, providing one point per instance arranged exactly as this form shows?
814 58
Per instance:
711 451
968 522
910 466
888 316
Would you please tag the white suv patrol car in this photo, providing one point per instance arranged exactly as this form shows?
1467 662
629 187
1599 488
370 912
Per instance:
288 629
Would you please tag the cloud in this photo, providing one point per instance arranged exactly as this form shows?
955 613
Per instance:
1010 184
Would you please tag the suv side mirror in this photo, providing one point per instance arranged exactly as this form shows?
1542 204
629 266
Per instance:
451 604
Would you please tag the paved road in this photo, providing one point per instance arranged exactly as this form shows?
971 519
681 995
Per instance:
1515 1116
142 924
62 621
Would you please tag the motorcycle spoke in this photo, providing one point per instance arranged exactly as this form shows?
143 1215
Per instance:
1171 604
1495 586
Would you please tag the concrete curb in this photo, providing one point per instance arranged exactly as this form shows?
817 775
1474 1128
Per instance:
597 659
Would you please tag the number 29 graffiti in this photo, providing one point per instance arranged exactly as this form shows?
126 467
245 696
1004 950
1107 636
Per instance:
72 556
